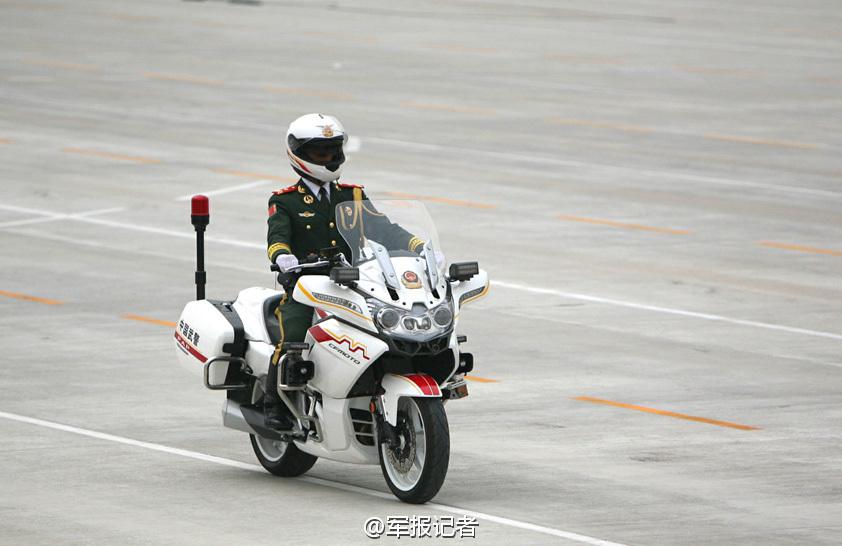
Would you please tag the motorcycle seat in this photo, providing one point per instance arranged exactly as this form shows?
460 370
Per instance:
273 328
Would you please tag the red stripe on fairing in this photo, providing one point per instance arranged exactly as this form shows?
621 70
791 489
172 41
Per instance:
190 349
321 313
320 335
426 383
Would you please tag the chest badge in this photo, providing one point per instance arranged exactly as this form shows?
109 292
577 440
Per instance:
308 199
410 280
307 214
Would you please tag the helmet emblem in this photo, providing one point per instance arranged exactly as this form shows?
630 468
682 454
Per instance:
327 131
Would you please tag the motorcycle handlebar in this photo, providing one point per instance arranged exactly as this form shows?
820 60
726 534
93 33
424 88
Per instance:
296 268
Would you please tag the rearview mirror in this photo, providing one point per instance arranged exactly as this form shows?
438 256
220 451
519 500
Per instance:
345 275
463 271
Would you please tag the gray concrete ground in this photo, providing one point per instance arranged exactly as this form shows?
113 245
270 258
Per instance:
654 186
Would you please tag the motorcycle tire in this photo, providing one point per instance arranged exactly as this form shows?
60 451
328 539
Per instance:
279 458
422 482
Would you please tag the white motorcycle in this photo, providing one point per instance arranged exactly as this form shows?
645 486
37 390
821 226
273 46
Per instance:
369 383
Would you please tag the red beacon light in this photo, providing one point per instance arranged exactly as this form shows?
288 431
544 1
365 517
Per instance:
200 210
200 218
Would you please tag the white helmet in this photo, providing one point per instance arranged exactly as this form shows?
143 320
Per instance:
315 146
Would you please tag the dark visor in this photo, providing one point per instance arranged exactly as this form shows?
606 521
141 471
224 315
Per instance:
320 151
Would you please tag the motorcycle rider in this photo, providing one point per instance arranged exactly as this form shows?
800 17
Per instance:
302 221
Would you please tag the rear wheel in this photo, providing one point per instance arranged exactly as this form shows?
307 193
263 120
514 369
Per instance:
415 469
278 457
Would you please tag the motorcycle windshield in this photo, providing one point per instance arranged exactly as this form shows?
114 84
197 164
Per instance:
383 229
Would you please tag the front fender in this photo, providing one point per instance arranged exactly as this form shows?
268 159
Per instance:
416 385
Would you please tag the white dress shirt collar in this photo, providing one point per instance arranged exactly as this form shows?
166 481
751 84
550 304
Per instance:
315 187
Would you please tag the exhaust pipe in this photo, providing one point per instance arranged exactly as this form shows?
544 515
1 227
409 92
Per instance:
247 418
232 417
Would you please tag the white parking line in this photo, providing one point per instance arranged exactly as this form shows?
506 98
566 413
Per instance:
117 248
576 537
25 210
615 169
658 309
50 217
185 234
222 191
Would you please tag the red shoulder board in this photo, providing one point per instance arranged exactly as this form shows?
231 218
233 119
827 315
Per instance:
349 186
285 190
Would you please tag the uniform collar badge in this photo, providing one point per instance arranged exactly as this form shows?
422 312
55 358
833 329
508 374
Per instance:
309 199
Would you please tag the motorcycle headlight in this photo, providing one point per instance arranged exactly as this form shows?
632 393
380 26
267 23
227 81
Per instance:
443 316
388 318
401 323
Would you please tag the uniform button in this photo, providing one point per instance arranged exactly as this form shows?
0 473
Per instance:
333 243
308 226
332 224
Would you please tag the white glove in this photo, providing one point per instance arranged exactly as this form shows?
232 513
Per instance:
286 261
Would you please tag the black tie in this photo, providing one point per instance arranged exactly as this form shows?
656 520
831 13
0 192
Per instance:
322 195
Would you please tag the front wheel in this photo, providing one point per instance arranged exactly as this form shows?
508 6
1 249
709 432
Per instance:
280 458
415 469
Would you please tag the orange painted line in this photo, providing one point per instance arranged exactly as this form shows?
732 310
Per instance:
447 108
602 125
308 92
479 379
624 225
108 155
666 413
244 174
801 248
760 141
5 141
27 297
149 320
445 200
181 78
59 64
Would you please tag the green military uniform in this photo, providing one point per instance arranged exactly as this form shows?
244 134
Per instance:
300 224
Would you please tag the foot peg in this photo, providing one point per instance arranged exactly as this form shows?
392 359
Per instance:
277 417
